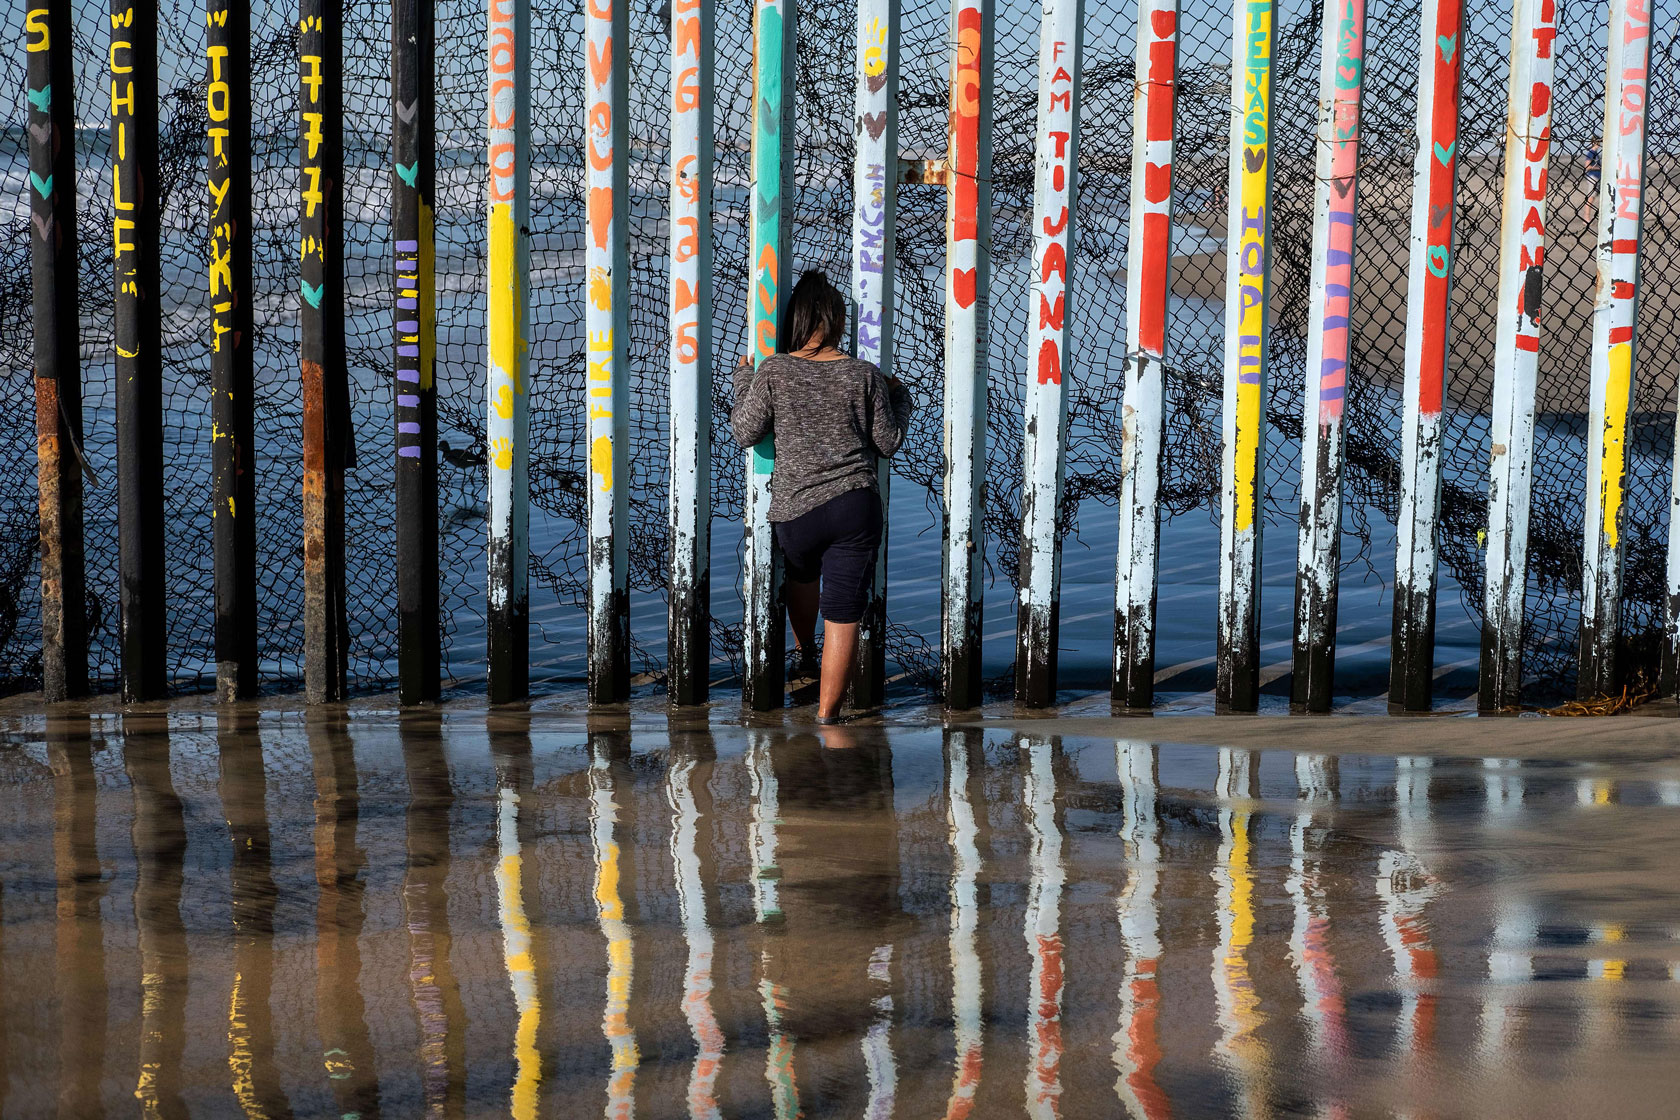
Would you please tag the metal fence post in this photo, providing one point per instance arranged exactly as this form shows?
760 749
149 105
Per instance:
690 600
328 443
413 138
1621 197
138 338
1055 201
1148 282
607 322
1516 356
1428 307
874 259
57 354
764 630
1248 293
233 487
508 384
1341 87
968 271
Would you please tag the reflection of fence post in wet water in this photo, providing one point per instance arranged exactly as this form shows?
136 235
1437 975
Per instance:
233 476
768 260
1055 200
688 630
57 350
1248 292
1341 90
1137 1042
963 779
1428 307
1516 356
1615 324
1142 418
611 788
874 258
507 388
138 336
414 321
968 271
81 887
515 881
688 789
327 439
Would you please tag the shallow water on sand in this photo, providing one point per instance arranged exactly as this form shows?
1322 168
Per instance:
466 914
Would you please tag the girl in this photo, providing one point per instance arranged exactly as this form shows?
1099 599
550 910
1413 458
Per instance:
832 416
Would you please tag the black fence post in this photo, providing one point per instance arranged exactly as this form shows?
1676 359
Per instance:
328 442
415 324
139 340
233 474
58 371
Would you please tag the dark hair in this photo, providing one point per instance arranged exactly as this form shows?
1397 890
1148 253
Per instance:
817 309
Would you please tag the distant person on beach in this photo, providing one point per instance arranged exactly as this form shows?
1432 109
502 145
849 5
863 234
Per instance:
832 415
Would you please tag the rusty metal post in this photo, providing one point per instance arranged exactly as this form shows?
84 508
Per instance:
1055 202
233 485
688 632
328 442
508 379
1621 210
414 322
1341 86
1142 418
968 276
607 329
1428 309
1516 350
1248 293
874 264
775 38
138 336
58 369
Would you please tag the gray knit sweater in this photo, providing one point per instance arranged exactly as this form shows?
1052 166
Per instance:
830 420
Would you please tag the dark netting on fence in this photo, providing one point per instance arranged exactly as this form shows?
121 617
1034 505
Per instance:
821 239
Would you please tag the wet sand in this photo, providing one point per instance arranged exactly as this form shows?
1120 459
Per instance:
275 911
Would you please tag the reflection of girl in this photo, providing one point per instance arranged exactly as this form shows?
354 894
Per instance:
838 861
832 416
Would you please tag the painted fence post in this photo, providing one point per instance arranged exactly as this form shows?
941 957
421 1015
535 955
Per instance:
1148 282
138 337
1055 200
232 408
414 322
607 322
764 636
328 442
690 599
1615 322
508 379
57 331
1428 305
1516 356
1341 86
968 254
1248 293
874 259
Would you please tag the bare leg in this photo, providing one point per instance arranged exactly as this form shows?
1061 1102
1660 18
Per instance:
802 612
839 650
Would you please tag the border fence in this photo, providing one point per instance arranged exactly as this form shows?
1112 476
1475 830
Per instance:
401 344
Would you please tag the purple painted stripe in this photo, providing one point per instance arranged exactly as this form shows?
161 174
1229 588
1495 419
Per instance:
407 303
408 400
408 375
408 351
408 246
409 452
409 326
409 428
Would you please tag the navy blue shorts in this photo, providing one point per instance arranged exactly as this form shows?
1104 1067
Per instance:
836 543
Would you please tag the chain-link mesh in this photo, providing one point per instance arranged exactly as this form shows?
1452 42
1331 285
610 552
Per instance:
821 239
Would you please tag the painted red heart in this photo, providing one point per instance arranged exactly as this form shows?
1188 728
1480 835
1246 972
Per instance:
1157 181
1163 22
962 286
